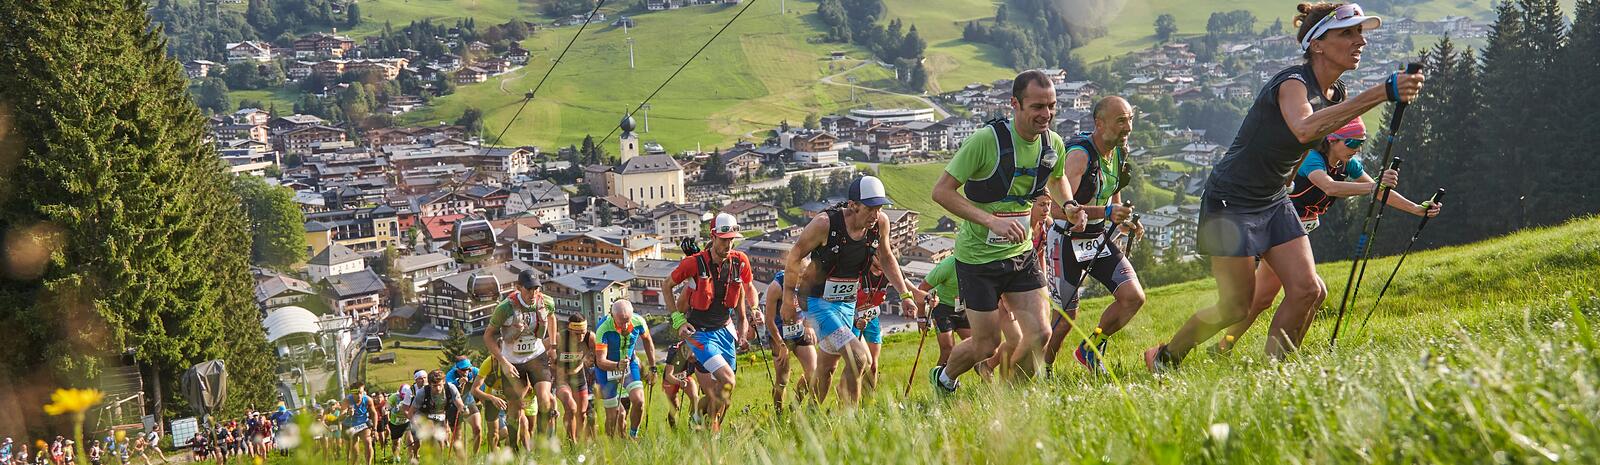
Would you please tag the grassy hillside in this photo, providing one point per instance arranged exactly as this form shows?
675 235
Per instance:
911 187
1464 362
760 72
952 63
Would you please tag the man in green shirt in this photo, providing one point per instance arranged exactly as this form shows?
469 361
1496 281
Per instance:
999 169
518 337
949 317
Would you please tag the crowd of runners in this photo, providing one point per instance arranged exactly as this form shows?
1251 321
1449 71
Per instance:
1041 214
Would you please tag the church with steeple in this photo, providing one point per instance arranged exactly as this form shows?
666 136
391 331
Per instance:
648 180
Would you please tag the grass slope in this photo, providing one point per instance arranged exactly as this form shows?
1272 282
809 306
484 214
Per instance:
758 73
1465 362
1478 355
952 63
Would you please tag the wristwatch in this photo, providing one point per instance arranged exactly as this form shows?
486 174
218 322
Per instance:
1069 202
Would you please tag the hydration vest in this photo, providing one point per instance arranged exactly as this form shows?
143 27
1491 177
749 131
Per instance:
1089 185
1309 200
997 187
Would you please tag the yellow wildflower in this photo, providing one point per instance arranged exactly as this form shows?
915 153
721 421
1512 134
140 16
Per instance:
73 401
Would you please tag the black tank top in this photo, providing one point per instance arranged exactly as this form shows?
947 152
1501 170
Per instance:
1265 153
1089 185
841 256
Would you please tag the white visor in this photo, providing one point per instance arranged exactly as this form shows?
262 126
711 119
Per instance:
1346 15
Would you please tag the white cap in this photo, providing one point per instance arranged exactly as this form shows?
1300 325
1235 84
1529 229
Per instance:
725 227
419 374
1344 16
869 191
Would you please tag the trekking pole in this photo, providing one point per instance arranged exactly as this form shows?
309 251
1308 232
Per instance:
1128 250
1358 267
1426 205
1362 245
916 361
1105 239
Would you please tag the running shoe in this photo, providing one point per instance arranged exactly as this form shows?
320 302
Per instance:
1090 358
1158 360
938 387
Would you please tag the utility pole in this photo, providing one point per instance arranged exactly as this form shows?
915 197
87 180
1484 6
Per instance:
630 53
852 80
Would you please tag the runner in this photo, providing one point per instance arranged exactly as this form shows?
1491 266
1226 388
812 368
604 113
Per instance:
617 366
399 421
797 339
1000 167
488 388
678 378
949 317
869 303
517 337
718 279
574 356
464 377
1245 211
1096 163
842 242
1324 176
432 406
358 424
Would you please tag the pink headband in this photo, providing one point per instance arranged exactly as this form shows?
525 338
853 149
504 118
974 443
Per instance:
1353 129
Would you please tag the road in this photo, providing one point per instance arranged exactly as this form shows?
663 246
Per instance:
938 110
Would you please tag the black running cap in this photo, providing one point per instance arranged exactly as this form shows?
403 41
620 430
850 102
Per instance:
528 279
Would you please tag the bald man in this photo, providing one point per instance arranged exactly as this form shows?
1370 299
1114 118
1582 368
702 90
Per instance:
617 366
1093 163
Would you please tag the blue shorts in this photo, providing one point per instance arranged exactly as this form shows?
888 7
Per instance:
834 321
715 349
873 333
608 387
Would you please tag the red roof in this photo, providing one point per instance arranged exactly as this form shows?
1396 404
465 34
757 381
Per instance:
440 227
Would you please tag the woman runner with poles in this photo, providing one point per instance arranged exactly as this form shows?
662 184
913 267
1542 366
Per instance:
1245 211
1330 171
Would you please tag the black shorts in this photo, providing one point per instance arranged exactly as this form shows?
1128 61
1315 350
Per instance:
947 319
1234 231
396 431
982 285
1112 270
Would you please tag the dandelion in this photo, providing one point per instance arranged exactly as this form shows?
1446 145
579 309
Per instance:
75 402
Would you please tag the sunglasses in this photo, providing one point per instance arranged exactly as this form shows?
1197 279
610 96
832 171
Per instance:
1354 144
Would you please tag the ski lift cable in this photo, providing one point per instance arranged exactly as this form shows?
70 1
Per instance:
680 69
529 96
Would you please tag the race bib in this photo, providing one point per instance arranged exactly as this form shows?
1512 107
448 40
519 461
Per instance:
840 290
616 374
1084 249
1020 218
868 314
571 356
355 429
528 346
1311 224
794 331
436 417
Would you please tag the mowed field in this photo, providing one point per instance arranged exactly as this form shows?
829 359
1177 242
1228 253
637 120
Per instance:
1465 362
760 72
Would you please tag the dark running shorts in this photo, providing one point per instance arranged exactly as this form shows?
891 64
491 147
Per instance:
981 285
1112 270
947 319
1232 231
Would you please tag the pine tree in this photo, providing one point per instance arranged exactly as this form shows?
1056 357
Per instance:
455 347
150 246
277 225
1579 116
